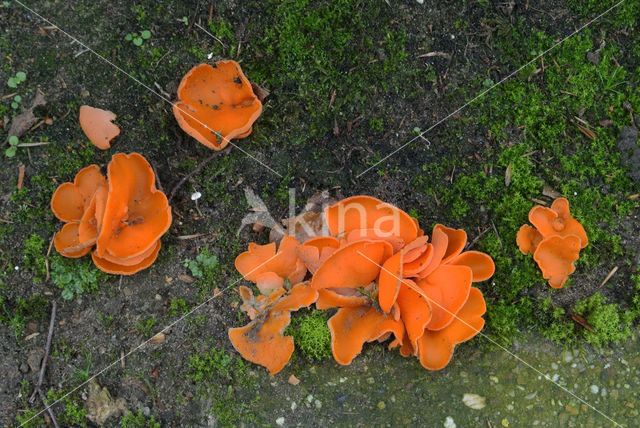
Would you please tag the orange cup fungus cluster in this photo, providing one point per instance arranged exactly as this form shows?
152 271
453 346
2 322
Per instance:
216 103
122 215
555 241
379 272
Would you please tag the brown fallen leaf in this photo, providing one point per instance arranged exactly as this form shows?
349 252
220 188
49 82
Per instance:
186 278
583 322
260 92
20 176
507 174
551 193
157 339
101 406
25 120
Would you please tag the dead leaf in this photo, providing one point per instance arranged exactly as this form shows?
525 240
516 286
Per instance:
260 92
507 174
157 339
258 226
583 322
293 380
101 406
25 120
551 193
20 176
186 278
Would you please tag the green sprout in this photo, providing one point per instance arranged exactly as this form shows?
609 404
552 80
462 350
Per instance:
138 39
14 81
16 102
13 146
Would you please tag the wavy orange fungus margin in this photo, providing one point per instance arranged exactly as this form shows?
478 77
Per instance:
122 215
381 275
555 241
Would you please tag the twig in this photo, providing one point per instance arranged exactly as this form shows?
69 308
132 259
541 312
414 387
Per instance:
48 408
155 171
608 277
196 170
46 259
480 235
43 366
36 144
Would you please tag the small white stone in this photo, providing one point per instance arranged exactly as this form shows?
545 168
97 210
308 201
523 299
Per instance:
209 56
474 401
309 398
195 196
17 268
594 389
280 421
449 423
294 406
420 1
318 404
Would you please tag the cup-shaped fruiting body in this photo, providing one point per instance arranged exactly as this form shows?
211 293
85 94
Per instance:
216 104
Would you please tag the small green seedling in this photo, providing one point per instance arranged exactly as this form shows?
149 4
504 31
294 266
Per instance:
184 20
13 146
16 102
14 81
138 39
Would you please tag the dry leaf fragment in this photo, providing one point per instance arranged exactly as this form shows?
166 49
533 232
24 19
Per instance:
260 92
25 120
583 322
101 406
551 193
20 176
158 338
186 278
507 174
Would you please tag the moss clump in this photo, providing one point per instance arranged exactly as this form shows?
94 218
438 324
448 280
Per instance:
311 335
23 311
138 420
34 256
608 322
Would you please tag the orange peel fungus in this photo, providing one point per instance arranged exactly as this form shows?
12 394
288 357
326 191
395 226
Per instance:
381 275
122 215
555 241
216 104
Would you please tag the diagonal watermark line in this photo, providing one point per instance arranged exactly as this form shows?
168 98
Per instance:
141 345
139 82
544 375
489 89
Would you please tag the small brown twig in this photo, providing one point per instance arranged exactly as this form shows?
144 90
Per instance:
158 183
43 367
196 170
46 259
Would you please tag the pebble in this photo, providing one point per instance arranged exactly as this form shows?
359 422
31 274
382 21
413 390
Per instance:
594 389
449 423
280 421
34 359
24 368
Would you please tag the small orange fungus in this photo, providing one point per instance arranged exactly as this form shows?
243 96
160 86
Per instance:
555 241
98 126
216 104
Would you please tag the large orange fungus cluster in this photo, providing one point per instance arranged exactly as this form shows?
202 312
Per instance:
381 275
122 215
555 241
